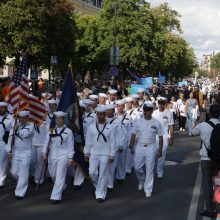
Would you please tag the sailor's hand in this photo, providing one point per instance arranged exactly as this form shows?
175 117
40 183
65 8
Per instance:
70 163
86 158
120 150
111 160
9 155
159 153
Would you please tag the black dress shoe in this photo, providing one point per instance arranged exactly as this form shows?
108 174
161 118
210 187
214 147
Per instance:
77 187
19 197
55 202
110 189
208 214
120 182
100 200
128 174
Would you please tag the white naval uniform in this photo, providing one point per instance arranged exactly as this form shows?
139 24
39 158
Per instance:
61 151
21 156
40 134
99 148
6 122
145 151
166 119
126 122
135 115
88 119
119 141
108 102
49 118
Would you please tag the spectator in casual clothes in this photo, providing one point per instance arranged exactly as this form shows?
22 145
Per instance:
208 167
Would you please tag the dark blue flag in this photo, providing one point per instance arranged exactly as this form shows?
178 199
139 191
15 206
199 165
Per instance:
69 103
138 79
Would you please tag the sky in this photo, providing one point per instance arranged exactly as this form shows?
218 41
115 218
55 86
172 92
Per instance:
200 22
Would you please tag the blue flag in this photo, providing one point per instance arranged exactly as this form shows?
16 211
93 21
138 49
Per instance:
138 79
69 104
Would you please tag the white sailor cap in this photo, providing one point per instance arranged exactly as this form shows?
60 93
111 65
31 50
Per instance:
52 101
100 109
140 90
86 90
103 95
135 96
120 102
110 106
147 106
60 114
160 98
82 104
24 113
88 102
129 99
3 104
92 97
112 91
44 94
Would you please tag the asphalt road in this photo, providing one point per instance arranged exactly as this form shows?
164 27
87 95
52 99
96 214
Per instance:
171 198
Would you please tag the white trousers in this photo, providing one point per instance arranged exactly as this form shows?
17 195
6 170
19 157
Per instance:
78 176
58 169
161 160
145 156
98 171
129 161
112 168
121 167
20 171
37 164
3 166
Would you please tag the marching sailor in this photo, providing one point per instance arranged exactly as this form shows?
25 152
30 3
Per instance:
165 117
126 122
100 150
60 145
40 134
119 141
102 99
52 105
112 97
20 151
6 121
145 131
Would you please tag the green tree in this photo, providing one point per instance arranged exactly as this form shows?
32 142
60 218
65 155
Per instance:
215 62
46 27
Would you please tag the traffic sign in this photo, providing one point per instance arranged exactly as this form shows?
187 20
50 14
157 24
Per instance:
114 56
54 60
113 71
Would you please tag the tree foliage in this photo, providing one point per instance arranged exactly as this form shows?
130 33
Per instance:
215 62
45 27
149 39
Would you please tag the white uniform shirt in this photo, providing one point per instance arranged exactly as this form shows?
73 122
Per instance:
49 118
40 134
204 130
119 134
127 126
182 110
23 140
95 143
88 119
8 123
60 147
146 131
134 113
166 119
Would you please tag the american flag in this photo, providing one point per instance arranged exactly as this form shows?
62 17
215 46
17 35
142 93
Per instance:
37 110
19 89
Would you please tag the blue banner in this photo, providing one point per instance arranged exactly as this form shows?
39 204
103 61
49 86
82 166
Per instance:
162 79
135 87
180 84
148 82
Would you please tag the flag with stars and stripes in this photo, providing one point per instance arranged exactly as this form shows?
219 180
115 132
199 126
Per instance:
19 89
